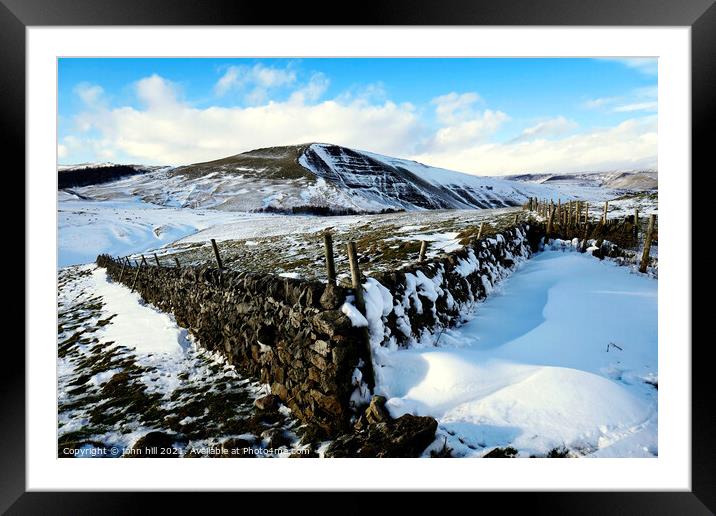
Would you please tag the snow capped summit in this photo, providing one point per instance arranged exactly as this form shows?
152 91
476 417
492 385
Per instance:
403 184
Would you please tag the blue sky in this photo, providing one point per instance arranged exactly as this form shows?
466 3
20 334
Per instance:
484 116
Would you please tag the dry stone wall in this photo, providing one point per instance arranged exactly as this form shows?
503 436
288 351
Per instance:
293 334
288 333
419 301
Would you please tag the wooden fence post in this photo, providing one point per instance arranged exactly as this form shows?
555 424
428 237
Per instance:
176 261
328 252
479 232
549 223
647 244
216 254
423 250
574 212
636 223
360 305
355 276
606 208
517 218
583 248
136 275
121 273
156 259
144 261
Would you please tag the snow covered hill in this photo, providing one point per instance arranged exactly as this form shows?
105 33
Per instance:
625 181
86 174
373 179
316 178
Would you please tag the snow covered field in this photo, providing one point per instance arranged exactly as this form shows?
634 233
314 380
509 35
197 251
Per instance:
87 228
562 359
126 369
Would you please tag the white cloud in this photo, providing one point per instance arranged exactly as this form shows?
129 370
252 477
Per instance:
645 65
547 128
311 92
461 123
168 130
94 149
637 106
179 133
600 102
157 92
642 99
90 94
631 144
61 151
638 99
467 132
256 81
371 92
227 81
454 107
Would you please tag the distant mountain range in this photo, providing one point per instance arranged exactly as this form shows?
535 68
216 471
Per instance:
631 180
321 178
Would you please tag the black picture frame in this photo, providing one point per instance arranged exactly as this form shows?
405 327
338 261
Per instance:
700 15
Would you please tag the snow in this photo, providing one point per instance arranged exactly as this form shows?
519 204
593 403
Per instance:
169 366
457 189
445 242
103 377
534 368
293 275
466 267
136 325
357 318
121 227
81 166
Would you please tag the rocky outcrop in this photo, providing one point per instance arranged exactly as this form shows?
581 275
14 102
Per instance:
406 436
376 434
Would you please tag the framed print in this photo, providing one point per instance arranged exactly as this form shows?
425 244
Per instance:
399 248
